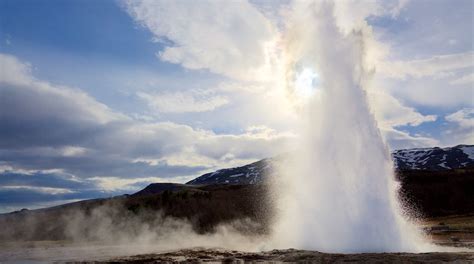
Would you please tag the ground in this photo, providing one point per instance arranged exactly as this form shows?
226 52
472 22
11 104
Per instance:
456 232
290 255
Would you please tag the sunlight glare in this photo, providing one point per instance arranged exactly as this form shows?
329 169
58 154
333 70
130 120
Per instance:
306 83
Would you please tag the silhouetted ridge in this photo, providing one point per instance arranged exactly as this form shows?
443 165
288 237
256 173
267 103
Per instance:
422 159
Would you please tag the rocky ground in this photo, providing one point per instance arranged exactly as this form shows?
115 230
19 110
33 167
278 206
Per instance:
454 233
292 255
55 253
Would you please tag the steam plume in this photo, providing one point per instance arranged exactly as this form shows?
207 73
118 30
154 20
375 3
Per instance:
338 194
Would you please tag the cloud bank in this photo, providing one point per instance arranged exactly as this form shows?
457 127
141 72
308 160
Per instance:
236 33
64 131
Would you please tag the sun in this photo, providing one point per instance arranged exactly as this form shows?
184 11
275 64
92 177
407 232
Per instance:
306 83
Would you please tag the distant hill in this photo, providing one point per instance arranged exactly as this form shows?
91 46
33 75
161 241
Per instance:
433 181
248 174
430 194
204 207
155 188
434 159
422 159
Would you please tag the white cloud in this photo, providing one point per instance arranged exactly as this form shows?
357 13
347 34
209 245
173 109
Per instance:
44 100
427 47
464 118
352 14
431 92
463 129
400 140
178 145
397 7
61 127
232 39
390 113
13 71
426 67
6 168
73 151
182 102
229 38
115 183
466 79
47 190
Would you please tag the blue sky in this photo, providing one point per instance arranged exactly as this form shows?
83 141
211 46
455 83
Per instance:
103 97
86 44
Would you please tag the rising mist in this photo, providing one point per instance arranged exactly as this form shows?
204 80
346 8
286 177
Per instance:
338 194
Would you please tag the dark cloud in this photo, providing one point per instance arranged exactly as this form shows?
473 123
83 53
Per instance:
25 196
42 179
98 163
40 189
46 127
41 122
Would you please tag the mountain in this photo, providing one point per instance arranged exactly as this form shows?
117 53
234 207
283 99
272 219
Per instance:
423 159
434 159
248 174
158 208
154 188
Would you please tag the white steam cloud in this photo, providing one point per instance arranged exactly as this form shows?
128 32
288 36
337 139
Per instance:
337 194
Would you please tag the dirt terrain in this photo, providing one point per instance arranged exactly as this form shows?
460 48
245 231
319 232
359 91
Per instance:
54 252
291 255
454 233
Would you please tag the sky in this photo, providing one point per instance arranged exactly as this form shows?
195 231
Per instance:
101 98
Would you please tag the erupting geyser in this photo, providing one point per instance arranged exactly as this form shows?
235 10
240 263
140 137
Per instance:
338 193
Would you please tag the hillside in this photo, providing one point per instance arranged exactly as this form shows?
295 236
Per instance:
434 159
419 159
249 174
202 207
429 189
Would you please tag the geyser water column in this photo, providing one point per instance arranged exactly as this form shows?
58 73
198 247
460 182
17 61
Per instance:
337 192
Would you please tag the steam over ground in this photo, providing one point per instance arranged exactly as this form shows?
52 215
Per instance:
114 225
111 230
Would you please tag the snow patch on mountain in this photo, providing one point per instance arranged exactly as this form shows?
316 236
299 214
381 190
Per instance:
469 151
429 159
434 159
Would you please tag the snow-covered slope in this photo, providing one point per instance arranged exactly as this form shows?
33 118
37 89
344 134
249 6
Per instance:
248 174
429 159
434 159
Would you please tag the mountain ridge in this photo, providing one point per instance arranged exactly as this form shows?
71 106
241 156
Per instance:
434 159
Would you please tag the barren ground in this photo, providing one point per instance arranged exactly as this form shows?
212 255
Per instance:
456 232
